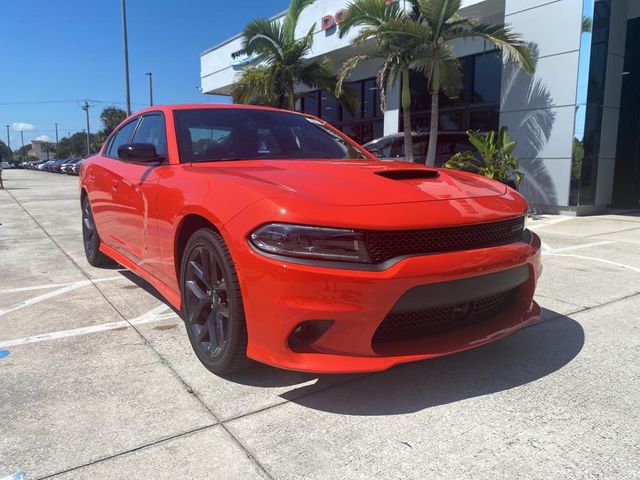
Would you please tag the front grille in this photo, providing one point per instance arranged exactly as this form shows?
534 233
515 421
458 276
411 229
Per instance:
422 323
384 245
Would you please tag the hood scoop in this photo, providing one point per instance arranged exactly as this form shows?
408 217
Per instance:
414 174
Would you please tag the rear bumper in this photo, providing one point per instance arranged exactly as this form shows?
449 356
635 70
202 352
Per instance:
278 296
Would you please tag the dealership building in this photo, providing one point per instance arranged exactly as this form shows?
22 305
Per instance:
576 120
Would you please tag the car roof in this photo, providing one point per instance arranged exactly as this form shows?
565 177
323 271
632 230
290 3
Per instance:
209 106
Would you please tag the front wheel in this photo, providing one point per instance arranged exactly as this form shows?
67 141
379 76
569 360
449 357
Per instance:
212 303
91 239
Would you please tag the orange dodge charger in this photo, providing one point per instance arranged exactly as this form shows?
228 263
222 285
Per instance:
281 240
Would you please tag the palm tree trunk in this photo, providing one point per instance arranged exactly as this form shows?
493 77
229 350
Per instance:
406 115
433 130
291 97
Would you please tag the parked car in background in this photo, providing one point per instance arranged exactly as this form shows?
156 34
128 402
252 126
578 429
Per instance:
44 166
280 239
73 166
38 164
391 147
55 167
66 168
65 165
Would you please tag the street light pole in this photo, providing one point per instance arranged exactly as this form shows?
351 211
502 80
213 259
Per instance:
126 57
56 132
9 143
85 107
22 138
150 75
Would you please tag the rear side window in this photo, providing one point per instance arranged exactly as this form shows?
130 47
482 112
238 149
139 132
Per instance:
122 136
151 130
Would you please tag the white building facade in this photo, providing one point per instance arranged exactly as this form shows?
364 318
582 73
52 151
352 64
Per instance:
576 119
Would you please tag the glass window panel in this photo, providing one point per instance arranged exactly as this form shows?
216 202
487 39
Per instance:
371 99
487 78
311 104
452 120
328 108
370 131
346 116
485 120
353 131
123 136
151 130
420 97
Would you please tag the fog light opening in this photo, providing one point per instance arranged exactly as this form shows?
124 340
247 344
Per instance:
307 333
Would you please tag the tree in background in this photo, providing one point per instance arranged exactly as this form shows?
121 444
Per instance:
76 145
438 61
48 148
399 40
5 152
111 117
283 64
23 153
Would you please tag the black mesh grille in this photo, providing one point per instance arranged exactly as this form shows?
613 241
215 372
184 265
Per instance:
422 323
384 245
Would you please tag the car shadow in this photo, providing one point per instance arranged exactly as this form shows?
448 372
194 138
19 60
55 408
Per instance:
147 287
524 357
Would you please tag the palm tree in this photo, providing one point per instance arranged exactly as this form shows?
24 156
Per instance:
399 40
282 63
439 62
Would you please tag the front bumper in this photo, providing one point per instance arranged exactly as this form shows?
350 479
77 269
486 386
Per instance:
279 295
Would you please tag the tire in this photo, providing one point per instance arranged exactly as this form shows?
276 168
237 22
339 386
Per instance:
91 240
212 306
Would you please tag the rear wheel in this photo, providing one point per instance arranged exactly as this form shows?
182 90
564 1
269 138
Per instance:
91 239
212 303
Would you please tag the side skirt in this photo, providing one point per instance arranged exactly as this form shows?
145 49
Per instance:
172 297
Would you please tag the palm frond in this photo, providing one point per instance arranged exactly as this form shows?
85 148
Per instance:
368 13
510 43
264 37
292 16
438 12
387 77
255 85
347 68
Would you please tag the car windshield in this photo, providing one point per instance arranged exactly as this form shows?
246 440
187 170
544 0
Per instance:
226 134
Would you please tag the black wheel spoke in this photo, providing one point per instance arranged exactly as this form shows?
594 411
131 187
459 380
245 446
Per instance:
204 332
218 334
198 304
200 272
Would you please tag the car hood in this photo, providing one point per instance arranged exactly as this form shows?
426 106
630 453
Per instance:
353 182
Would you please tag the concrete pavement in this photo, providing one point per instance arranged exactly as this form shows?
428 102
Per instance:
98 380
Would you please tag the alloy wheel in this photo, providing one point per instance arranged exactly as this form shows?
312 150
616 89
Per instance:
207 302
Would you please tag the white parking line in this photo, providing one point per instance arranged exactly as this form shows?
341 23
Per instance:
535 225
154 315
46 296
549 250
581 257
56 285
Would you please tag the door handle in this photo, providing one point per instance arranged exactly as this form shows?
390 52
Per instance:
114 184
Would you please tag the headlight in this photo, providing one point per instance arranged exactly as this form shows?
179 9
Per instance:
318 243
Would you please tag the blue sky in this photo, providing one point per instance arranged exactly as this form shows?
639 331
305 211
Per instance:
72 49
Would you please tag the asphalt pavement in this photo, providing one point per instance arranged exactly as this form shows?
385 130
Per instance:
98 380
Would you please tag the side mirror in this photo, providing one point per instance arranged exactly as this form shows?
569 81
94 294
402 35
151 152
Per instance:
139 153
